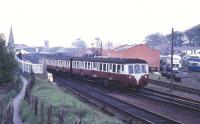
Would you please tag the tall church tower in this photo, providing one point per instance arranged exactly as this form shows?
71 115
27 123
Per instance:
11 39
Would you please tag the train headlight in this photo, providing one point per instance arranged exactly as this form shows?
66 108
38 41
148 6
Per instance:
145 76
129 77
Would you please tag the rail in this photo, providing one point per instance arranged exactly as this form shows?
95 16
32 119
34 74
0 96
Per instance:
170 98
175 86
132 110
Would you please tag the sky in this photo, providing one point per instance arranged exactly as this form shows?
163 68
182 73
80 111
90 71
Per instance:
117 21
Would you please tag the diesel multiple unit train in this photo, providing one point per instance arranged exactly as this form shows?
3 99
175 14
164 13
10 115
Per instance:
110 71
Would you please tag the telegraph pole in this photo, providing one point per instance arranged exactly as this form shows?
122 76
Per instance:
101 47
172 52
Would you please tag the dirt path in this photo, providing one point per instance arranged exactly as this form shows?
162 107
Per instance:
16 102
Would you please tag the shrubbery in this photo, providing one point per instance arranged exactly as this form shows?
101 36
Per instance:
7 62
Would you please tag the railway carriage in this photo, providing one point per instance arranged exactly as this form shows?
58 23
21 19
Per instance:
110 71
194 64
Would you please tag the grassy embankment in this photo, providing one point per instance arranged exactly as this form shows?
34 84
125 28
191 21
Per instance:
51 94
4 99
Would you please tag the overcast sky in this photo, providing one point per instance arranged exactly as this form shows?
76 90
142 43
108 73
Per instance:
118 21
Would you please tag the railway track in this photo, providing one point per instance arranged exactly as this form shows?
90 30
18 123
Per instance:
169 98
175 86
129 109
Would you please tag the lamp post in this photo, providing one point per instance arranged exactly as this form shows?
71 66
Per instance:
172 52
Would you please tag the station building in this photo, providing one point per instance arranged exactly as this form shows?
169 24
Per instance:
141 51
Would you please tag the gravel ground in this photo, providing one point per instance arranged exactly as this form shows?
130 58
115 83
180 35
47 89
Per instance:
192 81
183 115
175 92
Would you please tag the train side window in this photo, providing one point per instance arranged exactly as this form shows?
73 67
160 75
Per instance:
88 65
82 65
77 64
114 68
107 69
94 65
194 64
85 65
100 66
122 68
72 64
104 67
68 64
110 67
118 68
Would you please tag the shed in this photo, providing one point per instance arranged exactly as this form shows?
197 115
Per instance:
141 51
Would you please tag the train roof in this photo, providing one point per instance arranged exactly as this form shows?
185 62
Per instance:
111 60
98 59
58 57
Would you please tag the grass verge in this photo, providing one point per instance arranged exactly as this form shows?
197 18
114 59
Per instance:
27 113
51 94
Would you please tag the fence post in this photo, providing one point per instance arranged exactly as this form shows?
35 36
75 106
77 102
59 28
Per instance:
36 106
61 114
42 113
49 114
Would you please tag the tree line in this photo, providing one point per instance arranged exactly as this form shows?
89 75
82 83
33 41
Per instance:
7 62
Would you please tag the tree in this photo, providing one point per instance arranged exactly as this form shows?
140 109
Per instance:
156 39
98 42
109 45
179 38
79 43
7 63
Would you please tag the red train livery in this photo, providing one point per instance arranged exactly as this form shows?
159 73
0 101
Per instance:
111 71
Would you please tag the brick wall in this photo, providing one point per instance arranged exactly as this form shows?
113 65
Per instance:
152 56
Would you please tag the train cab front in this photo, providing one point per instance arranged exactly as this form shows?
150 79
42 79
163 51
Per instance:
138 72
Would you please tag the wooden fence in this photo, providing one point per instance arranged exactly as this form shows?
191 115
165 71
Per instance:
6 112
47 113
7 116
5 88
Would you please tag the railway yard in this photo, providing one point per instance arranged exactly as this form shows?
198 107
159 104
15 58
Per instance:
153 102
149 105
